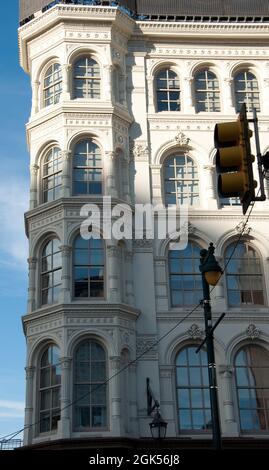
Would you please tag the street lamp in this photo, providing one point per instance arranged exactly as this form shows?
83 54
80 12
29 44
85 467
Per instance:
158 426
211 273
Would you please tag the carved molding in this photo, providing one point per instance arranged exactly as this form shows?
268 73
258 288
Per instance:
30 372
182 140
140 151
146 346
244 228
194 332
252 331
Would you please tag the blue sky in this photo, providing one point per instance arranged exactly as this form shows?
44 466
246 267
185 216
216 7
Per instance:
14 190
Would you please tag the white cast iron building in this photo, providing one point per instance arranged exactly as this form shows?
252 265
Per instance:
125 105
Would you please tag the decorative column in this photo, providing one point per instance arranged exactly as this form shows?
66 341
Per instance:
126 181
66 173
35 101
32 262
29 405
129 283
65 95
65 427
133 399
156 171
228 96
113 273
110 163
66 287
151 101
115 395
108 92
211 200
187 93
226 386
33 185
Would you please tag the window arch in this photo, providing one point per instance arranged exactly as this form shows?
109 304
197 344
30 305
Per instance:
185 276
52 175
167 90
244 275
51 272
252 386
88 268
90 387
207 92
246 91
87 168
52 85
192 390
181 183
87 78
49 389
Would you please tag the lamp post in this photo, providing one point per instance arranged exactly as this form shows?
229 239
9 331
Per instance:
211 273
158 426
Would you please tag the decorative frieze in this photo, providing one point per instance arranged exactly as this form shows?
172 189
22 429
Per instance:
146 347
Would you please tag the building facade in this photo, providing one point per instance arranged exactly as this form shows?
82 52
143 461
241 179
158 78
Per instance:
124 105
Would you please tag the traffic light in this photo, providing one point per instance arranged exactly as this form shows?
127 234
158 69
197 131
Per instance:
234 160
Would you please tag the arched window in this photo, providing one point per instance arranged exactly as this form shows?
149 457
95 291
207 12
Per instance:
88 268
52 175
87 78
167 91
181 183
193 399
244 275
246 91
207 93
51 272
252 385
90 388
49 389
184 275
52 87
87 171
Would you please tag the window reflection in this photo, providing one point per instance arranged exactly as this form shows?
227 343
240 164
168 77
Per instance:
184 276
207 93
49 389
252 382
246 91
90 388
51 272
181 182
168 91
88 267
193 399
244 275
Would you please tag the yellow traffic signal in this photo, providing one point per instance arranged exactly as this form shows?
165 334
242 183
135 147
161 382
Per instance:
234 160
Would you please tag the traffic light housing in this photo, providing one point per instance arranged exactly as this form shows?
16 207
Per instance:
234 160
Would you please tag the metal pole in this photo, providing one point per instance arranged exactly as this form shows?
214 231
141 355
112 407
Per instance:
211 366
262 197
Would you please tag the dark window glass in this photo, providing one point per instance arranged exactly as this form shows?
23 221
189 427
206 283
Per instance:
192 387
51 272
246 91
52 175
184 276
49 389
90 388
87 168
87 79
88 268
52 87
168 91
181 183
207 93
